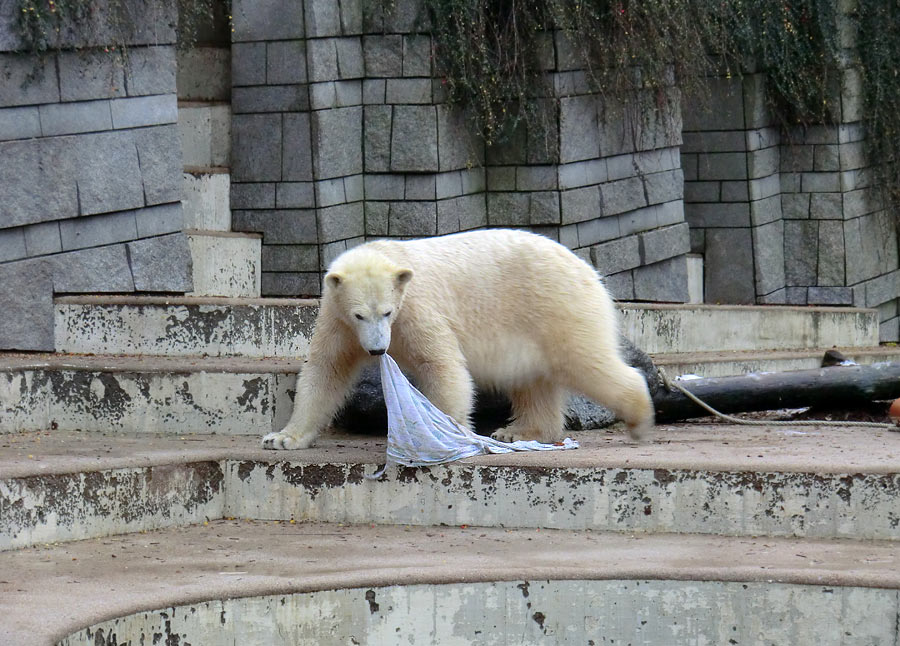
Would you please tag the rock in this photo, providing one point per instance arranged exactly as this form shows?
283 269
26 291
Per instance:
364 410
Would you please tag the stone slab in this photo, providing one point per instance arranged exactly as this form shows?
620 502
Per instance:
225 265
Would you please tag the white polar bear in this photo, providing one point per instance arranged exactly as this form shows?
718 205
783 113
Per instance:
504 309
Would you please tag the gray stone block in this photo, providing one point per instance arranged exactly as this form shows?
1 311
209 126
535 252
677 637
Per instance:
414 145
579 130
90 74
341 222
723 111
510 151
473 180
294 195
795 206
28 80
800 252
883 289
728 267
283 226
820 182
350 58
290 258
376 214
854 179
161 264
690 167
26 306
889 331
253 196
420 187
795 295
291 284
703 192
536 178
616 255
829 296
507 209
249 63
461 214
417 55
663 243
406 16
19 123
715 142
12 244
285 62
322 60
159 156
41 239
729 215
664 281
760 138
269 98
501 178
296 159
650 217
827 157
765 187
337 142
580 204
584 173
73 118
698 241
622 195
384 187
107 170
458 148
595 231
664 187
267 20
374 91
852 155
778 297
449 184
144 111
719 166
543 208
383 55
323 18
871 247
765 211
159 220
768 255
98 230
413 219
100 269
352 16
410 91
377 128
826 206
330 192
27 164
620 286
150 70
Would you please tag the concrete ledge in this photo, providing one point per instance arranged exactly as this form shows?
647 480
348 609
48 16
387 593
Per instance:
207 201
226 264
178 568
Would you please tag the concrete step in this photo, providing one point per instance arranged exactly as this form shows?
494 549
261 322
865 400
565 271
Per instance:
726 364
226 264
207 202
249 582
132 325
184 326
178 395
658 328
815 482
205 129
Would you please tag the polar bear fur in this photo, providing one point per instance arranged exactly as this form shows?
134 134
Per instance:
503 309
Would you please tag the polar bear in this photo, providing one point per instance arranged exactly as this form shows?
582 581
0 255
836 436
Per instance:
503 309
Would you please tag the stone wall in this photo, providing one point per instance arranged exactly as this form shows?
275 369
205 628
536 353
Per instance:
90 172
341 134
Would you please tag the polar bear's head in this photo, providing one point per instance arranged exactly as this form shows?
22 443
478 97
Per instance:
367 288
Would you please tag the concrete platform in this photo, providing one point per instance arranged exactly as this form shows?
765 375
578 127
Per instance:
845 591
823 482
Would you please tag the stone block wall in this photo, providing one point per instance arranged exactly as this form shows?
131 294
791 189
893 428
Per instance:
341 134
90 174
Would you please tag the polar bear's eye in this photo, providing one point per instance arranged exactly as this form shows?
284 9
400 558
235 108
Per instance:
387 314
359 317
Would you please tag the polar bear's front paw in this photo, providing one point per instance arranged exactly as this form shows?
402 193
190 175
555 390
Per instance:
286 441
514 434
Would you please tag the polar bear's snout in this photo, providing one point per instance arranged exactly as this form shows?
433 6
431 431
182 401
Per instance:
374 336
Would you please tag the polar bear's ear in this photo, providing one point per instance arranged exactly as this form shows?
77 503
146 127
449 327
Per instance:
403 276
333 280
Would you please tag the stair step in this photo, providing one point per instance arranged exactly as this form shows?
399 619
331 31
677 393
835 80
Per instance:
132 325
184 326
241 581
205 129
657 328
717 479
226 264
207 202
726 364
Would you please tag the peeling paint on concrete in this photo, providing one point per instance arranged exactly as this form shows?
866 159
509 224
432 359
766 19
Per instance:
494 614
24 401
607 499
52 508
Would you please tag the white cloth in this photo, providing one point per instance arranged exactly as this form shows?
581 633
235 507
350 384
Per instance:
420 434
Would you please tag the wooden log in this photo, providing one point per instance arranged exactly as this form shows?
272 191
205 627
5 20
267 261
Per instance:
834 386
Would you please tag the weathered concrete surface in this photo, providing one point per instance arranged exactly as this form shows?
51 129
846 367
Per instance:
206 200
715 479
727 364
134 325
702 328
50 592
514 613
184 326
154 394
226 264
